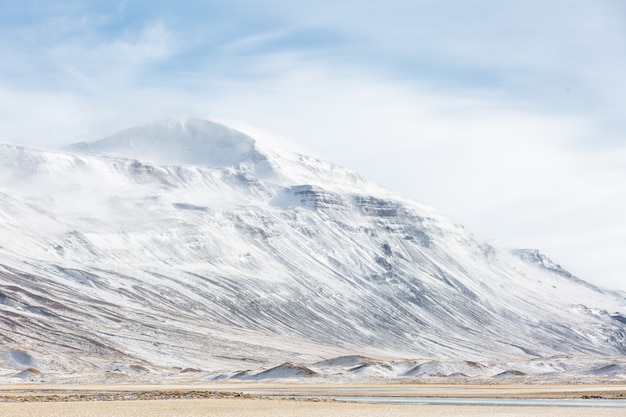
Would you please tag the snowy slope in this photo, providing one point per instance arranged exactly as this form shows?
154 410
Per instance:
191 245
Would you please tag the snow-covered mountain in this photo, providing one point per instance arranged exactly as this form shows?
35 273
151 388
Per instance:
189 245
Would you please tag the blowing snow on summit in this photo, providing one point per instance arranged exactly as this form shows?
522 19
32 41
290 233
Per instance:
187 245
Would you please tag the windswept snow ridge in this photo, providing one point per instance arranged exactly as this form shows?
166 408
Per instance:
172 142
189 245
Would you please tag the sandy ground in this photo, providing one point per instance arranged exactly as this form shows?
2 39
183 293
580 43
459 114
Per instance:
347 389
279 408
33 394
617 391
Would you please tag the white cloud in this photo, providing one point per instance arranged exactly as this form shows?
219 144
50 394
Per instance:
99 64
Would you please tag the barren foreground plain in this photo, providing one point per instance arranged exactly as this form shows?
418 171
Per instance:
290 400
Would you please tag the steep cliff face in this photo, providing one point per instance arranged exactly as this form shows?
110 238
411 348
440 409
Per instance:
188 244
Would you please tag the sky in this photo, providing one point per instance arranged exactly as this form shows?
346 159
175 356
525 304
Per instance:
507 116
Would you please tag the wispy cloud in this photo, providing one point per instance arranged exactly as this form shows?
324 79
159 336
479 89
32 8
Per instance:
102 64
81 52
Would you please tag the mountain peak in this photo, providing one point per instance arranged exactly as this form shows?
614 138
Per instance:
177 142
231 253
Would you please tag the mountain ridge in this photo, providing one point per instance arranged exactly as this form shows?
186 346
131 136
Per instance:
265 258
175 142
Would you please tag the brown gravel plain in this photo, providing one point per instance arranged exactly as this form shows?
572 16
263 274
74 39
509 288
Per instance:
281 408
253 400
